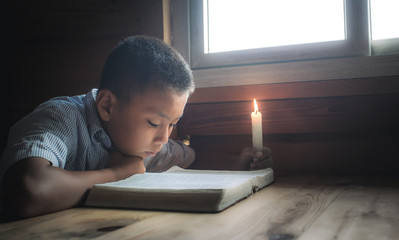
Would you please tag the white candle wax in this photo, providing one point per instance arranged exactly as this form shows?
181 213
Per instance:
256 117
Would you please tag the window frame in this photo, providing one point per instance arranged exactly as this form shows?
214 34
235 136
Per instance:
315 61
385 46
357 43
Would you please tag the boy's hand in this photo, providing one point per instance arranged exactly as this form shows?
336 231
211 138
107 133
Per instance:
256 159
124 166
262 159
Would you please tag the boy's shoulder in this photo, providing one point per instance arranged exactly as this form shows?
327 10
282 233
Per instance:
59 111
59 115
64 105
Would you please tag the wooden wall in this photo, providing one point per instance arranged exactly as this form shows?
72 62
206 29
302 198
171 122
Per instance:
56 48
334 126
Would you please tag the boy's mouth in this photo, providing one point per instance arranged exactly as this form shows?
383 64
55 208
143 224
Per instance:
149 154
152 152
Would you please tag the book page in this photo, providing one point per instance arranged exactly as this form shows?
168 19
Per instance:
180 180
251 174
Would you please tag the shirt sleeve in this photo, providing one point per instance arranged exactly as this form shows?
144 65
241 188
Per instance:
174 153
47 132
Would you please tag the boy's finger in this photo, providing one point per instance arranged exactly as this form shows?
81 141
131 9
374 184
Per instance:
268 162
266 151
258 154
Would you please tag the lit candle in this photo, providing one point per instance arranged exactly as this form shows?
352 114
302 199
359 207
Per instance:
256 117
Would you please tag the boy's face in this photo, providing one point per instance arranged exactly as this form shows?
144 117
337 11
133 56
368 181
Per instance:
143 125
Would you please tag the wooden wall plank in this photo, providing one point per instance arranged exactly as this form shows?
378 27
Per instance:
326 88
288 116
299 71
344 153
345 134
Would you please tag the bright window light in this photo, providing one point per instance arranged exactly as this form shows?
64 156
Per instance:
384 19
247 24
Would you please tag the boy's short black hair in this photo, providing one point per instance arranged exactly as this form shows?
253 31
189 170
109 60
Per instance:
140 62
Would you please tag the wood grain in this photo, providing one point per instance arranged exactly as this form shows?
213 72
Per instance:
359 212
277 210
292 90
294 207
286 72
293 116
72 224
356 153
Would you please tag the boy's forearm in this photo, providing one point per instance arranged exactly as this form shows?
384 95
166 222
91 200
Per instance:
33 187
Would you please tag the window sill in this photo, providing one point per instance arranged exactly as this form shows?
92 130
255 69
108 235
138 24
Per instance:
314 70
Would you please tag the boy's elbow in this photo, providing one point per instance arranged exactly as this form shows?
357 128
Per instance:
21 198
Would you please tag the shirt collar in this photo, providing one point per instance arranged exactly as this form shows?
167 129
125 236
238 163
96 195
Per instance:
96 130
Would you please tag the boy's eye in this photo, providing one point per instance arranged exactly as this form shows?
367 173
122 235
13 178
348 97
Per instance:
172 125
152 124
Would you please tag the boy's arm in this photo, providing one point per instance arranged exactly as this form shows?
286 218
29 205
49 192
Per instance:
33 186
174 153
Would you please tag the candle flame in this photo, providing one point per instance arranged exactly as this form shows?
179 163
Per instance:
255 105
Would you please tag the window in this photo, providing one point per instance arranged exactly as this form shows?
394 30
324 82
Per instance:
355 41
270 23
384 31
384 19
348 52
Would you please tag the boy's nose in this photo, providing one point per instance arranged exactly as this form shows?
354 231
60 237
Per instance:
163 135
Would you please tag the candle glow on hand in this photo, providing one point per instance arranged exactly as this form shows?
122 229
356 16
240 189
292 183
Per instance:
256 119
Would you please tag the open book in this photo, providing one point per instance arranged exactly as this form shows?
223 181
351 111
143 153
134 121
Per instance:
180 190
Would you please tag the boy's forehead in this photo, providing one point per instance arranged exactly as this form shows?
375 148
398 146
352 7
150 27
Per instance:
164 96
164 114
167 104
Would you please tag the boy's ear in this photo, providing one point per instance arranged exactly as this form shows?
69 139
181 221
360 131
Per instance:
105 103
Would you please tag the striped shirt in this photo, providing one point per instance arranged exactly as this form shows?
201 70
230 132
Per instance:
67 131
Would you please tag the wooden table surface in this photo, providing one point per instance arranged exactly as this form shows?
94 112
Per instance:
294 207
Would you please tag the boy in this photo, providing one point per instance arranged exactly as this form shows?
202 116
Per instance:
55 154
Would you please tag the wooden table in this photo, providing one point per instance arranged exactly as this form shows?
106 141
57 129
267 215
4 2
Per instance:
294 207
